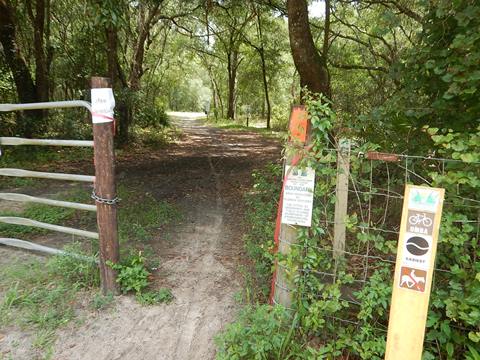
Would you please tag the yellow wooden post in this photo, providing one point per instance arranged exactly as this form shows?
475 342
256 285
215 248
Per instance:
417 246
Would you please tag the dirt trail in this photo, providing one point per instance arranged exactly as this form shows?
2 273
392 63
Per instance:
206 174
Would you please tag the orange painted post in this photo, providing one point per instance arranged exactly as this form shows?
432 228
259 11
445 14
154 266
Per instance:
298 125
286 234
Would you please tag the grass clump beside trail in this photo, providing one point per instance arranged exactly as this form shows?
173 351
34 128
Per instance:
43 295
134 277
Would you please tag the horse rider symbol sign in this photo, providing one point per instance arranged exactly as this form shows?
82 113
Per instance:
413 279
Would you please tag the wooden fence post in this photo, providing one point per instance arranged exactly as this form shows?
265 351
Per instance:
286 235
105 191
343 173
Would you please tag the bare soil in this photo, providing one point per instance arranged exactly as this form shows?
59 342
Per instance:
205 174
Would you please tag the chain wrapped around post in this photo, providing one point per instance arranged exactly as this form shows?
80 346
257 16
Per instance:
101 200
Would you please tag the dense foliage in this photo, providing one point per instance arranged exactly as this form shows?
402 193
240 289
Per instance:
401 76
343 315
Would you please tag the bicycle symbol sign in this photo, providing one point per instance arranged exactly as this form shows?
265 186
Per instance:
420 222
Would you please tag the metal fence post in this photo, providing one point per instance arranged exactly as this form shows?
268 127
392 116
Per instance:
105 192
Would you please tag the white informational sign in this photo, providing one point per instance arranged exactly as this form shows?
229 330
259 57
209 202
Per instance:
298 196
103 104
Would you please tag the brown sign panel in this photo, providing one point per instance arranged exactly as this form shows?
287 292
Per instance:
420 222
413 279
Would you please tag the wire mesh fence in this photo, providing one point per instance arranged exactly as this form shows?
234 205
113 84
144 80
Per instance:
364 270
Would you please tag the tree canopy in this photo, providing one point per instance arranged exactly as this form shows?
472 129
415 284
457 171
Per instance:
387 66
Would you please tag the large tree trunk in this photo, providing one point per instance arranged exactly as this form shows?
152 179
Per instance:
261 51
28 124
41 65
119 84
232 78
311 66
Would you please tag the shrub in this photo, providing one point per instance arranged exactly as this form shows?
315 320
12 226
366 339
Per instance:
132 275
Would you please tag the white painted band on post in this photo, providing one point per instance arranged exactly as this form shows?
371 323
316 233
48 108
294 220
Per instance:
44 142
33 199
41 225
46 175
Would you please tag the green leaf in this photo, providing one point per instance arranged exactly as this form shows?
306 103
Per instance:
450 349
474 336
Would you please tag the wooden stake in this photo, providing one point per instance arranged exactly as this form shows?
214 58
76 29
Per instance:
341 203
417 247
283 284
105 188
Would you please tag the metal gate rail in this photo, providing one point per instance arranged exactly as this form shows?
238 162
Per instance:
104 181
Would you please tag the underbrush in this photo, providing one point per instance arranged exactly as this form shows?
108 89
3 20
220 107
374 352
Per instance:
153 137
331 315
260 332
260 218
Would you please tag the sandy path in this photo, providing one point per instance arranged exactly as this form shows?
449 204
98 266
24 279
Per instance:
207 171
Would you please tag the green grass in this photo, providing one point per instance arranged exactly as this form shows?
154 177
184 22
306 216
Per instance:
140 217
260 219
43 295
154 297
30 157
101 302
15 182
154 137
235 126
37 158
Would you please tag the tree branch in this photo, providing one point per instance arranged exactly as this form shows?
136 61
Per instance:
358 67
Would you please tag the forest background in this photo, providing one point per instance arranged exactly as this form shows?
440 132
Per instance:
400 74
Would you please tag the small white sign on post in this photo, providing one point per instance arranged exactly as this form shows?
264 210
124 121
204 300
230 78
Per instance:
298 196
103 103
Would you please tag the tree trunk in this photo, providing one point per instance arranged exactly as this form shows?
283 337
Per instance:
29 122
232 74
261 51
41 66
265 87
119 84
220 100
311 66
214 100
